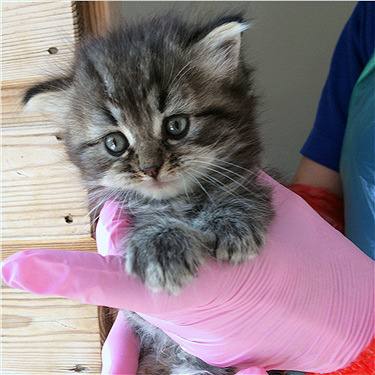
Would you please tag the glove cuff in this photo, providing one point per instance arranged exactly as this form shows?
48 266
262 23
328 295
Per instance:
324 202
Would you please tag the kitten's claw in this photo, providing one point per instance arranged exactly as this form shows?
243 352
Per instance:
235 249
164 255
234 236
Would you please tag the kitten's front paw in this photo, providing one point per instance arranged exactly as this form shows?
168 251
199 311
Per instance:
238 247
233 237
165 255
237 229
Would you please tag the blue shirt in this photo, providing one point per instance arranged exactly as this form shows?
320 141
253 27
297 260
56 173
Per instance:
354 49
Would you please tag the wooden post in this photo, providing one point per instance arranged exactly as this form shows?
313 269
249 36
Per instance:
98 16
43 199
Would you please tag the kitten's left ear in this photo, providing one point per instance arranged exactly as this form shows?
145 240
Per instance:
219 50
50 96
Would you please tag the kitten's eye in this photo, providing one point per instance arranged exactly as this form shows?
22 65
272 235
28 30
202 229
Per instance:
116 143
176 127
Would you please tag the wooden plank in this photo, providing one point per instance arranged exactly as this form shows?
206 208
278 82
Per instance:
48 335
12 111
41 189
82 244
43 197
29 30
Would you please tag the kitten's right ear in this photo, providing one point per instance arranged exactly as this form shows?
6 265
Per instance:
50 96
219 50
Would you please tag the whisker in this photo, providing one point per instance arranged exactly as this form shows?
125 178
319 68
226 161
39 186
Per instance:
218 166
179 79
185 189
229 178
229 163
201 186
125 204
219 184
180 72
171 73
215 182
102 198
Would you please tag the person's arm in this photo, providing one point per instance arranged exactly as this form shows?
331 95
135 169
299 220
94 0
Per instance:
321 188
322 149
317 175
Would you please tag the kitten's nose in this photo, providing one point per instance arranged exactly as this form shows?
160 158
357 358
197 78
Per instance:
152 171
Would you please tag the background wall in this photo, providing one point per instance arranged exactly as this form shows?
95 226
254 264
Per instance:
290 44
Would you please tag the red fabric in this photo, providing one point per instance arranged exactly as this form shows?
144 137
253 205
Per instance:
324 202
364 365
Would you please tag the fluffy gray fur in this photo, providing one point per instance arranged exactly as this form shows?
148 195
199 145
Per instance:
190 196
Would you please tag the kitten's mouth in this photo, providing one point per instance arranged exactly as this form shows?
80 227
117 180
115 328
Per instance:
162 182
158 183
160 188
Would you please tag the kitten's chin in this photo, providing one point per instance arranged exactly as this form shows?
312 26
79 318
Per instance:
159 189
155 189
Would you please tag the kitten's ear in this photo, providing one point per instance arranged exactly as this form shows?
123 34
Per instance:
220 48
50 96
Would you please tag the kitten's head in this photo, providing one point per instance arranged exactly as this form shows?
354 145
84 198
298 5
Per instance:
148 107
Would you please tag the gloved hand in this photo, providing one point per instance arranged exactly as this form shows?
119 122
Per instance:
300 304
327 205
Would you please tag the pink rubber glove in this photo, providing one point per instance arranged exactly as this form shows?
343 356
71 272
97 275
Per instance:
306 303
120 351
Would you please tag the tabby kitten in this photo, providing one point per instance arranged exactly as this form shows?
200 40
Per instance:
160 115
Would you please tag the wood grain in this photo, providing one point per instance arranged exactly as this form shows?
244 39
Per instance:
41 188
12 111
29 30
48 335
95 16
81 244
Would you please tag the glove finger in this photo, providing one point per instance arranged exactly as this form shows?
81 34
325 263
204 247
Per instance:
252 370
97 280
86 277
120 351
